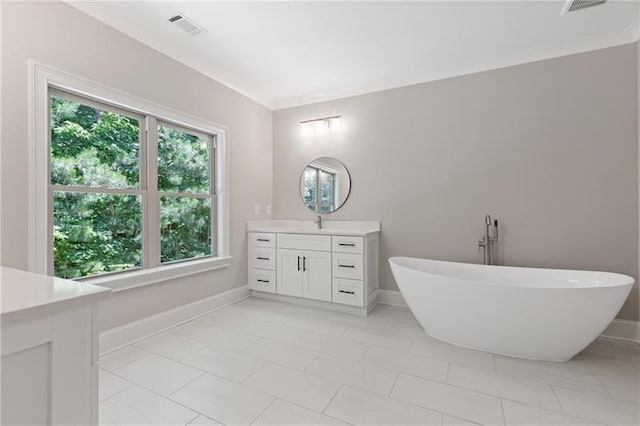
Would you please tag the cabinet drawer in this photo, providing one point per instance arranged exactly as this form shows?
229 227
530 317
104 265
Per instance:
347 244
262 258
346 265
262 280
304 242
260 239
348 292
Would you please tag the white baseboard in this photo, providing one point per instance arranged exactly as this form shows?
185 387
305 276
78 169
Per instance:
317 304
392 298
619 329
625 330
115 338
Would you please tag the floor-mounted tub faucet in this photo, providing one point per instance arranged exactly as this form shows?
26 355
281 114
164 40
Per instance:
488 240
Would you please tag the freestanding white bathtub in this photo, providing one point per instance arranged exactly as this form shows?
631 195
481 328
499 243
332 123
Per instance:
542 314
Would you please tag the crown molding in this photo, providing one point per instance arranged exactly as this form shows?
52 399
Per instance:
622 37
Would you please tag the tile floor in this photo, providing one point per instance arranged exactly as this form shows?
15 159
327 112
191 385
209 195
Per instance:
269 363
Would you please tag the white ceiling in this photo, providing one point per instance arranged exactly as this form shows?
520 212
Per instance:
288 54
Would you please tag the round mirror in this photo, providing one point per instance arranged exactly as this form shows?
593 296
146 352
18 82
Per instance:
325 185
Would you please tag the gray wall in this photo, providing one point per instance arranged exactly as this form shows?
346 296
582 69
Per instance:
549 148
59 35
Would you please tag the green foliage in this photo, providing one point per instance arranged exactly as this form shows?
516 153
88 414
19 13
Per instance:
185 228
98 232
183 161
79 131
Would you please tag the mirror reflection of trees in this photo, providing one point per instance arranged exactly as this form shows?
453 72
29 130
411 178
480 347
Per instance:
310 187
319 190
325 185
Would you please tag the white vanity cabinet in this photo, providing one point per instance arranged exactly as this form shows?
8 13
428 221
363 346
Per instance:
348 270
304 266
337 268
49 337
262 261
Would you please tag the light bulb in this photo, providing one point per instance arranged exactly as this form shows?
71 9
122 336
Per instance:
336 124
322 125
306 128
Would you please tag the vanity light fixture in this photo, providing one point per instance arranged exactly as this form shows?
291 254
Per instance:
320 125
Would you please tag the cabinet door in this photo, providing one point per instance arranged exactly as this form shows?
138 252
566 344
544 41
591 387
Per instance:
290 274
317 275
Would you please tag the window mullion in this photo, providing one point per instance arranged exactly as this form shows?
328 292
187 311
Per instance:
184 194
96 190
152 205
213 190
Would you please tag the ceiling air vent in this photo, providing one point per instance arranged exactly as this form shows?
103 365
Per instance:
575 5
186 24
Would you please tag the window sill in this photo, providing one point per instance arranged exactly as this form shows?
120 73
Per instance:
150 276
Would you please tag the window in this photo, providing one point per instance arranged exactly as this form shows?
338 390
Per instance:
185 178
128 190
319 186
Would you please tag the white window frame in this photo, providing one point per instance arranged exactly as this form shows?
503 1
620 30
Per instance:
40 215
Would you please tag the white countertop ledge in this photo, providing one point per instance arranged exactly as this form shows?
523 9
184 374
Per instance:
25 294
329 227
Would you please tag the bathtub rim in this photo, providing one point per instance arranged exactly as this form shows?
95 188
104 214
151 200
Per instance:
621 280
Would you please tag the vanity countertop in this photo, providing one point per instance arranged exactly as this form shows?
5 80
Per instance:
329 227
25 294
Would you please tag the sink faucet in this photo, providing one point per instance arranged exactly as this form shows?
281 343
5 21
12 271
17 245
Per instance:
488 240
318 221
